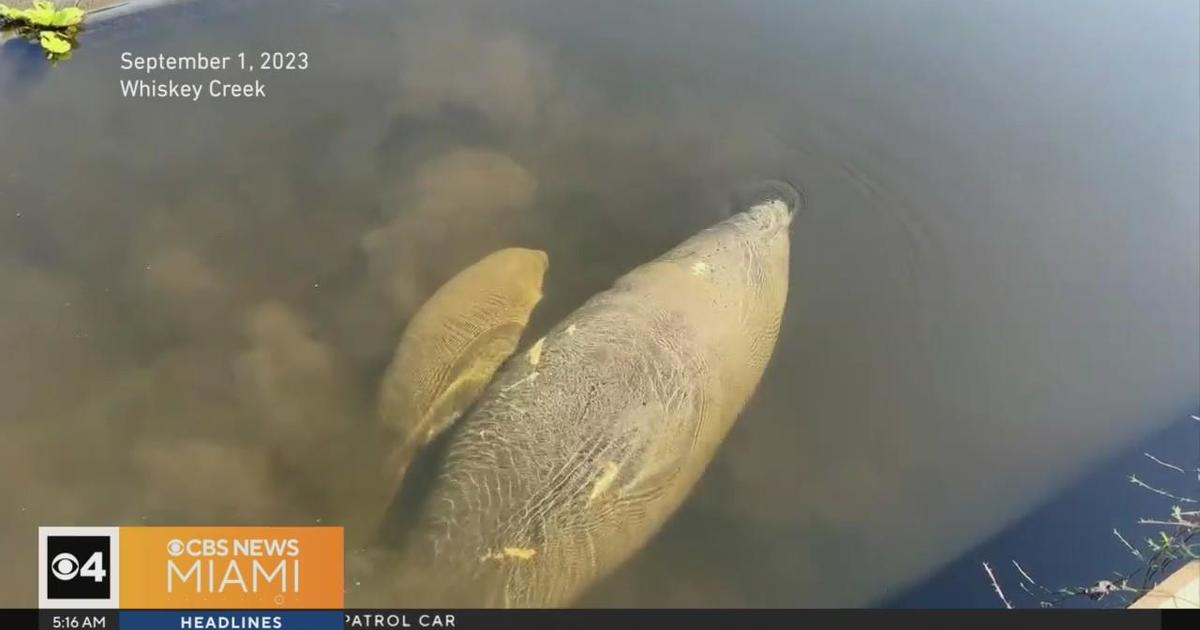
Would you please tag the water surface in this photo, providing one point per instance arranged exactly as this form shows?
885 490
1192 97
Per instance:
995 284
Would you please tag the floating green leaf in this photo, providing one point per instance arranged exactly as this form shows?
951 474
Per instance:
42 14
70 16
54 43
9 13
53 28
45 14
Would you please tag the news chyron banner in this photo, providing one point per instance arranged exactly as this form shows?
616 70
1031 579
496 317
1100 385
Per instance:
196 578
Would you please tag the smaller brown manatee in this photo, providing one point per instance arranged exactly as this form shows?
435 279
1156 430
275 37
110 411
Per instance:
453 346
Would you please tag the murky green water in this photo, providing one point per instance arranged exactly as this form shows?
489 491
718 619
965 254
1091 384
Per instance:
996 281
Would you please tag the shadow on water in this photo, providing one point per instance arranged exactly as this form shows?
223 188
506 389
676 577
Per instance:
22 63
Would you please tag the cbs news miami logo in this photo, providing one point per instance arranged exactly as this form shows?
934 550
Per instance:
191 567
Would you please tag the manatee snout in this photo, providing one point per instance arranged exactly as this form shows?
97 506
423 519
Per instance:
769 202
525 263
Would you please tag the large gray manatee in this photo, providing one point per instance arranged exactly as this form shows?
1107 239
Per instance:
585 443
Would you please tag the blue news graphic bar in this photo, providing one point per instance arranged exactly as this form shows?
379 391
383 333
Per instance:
608 619
229 620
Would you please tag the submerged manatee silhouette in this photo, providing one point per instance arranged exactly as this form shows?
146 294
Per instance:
453 346
587 441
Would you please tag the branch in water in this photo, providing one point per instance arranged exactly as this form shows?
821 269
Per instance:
1165 464
1147 521
996 586
1128 546
1023 573
1138 482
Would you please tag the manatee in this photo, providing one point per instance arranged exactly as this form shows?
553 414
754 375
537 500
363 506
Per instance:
453 345
589 439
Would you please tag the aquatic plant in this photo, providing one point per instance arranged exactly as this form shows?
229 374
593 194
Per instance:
1177 543
53 28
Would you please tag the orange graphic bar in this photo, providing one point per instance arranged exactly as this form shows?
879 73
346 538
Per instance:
232 567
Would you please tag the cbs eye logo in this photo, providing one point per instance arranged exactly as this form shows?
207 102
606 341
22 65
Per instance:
65 566
77 567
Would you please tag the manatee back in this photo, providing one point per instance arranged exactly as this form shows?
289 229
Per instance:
585 444
580 447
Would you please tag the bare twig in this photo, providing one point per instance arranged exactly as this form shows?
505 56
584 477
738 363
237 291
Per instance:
1128 546
1138 482
996 586
1164 464
1023 573
1147 521
1041 602
1028 578
1178 543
